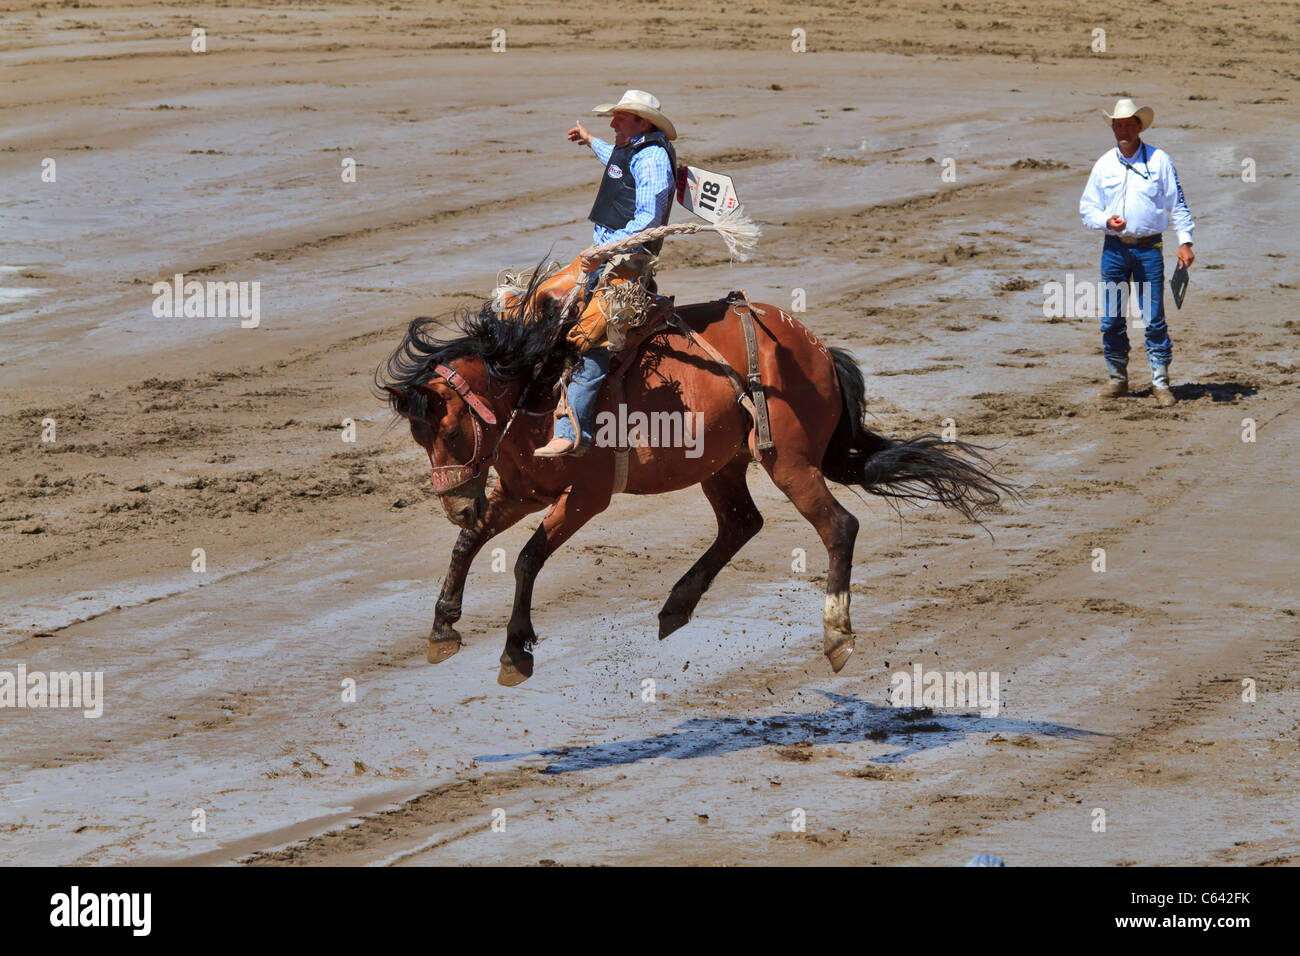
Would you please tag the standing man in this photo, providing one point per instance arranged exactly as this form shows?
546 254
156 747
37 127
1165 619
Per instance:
635 193
1132 195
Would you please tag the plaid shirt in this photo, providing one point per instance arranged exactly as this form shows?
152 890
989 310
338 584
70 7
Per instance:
655 184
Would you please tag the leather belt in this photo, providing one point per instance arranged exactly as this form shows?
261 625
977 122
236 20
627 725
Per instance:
1140 240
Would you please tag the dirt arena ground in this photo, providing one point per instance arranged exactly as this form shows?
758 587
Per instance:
1121 691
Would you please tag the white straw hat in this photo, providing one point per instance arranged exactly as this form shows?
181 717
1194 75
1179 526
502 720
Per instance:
1126 108
640 103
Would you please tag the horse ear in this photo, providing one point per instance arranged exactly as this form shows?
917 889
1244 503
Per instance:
400 398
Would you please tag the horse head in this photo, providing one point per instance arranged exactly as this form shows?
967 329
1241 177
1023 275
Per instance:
453 418
460 393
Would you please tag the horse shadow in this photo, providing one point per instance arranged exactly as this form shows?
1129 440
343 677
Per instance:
849 720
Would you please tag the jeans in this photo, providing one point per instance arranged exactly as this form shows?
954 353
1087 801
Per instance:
1146 267
583 389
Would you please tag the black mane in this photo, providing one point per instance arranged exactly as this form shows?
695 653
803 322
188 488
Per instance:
517 345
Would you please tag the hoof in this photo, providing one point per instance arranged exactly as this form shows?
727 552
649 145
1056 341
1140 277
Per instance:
839 654
444 641
439 651
515 670
671 622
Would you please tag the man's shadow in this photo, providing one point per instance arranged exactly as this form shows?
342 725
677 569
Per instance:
850 720
1216 391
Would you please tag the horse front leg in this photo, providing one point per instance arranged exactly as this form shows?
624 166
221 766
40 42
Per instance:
444 639
570 513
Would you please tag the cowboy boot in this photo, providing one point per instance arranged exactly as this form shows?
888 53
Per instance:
1117 387
555 448
1160 382
559 446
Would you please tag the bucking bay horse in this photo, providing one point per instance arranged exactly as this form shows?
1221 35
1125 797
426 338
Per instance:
484 398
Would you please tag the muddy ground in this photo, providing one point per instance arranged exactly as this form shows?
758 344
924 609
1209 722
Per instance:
1120 690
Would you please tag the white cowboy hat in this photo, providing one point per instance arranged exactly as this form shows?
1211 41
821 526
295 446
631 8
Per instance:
1126 108
640 103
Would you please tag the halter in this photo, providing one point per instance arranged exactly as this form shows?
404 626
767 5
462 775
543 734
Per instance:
447 478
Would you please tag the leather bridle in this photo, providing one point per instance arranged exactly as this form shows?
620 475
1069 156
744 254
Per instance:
447 478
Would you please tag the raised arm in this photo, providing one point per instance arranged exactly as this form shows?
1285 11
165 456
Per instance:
602 150
580 134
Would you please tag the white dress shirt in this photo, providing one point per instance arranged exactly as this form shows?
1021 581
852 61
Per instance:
1144 191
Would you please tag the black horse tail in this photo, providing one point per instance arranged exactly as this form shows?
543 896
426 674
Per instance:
925 468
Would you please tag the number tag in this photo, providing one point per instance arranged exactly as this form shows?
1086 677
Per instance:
711 196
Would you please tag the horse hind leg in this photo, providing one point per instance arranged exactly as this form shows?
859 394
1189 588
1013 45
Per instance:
805 486
738 522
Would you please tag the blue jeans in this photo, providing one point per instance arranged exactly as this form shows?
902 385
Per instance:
1146 267
584 386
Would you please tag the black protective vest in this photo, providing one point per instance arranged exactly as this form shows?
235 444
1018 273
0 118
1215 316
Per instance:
616 199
